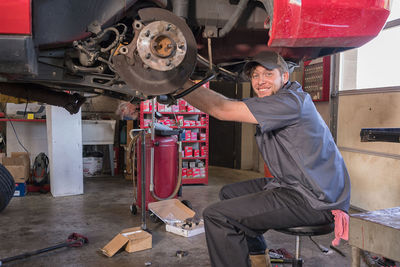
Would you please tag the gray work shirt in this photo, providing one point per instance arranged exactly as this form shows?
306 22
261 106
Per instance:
299 149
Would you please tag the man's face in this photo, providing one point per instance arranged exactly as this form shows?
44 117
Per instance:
267 82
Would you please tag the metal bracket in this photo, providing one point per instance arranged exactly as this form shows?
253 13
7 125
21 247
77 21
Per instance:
380 135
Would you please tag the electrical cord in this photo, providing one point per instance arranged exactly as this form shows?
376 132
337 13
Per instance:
16 135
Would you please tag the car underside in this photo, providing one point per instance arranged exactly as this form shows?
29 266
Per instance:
58 51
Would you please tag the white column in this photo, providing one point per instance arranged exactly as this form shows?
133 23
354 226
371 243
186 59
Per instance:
64 138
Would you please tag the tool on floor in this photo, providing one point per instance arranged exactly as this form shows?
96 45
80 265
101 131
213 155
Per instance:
181 253
337 250
321 247
74 240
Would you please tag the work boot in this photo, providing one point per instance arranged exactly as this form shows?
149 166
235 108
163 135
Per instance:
260 260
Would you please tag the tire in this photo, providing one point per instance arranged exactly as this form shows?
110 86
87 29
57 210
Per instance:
154 218
7 187
133 209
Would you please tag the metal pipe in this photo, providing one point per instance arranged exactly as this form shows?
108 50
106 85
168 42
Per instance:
297 247
205 62
180 8
209 53
153 120
36 92
143 177
234 18
194 87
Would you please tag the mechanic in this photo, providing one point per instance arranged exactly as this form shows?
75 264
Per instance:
310 177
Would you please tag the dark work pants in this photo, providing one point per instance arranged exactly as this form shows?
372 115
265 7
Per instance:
245 212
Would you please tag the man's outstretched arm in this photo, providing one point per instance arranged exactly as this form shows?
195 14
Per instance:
219 106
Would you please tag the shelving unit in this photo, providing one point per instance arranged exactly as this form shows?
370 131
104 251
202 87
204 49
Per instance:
316 78
194 137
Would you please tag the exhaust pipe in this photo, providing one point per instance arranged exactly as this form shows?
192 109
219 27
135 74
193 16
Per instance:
40 93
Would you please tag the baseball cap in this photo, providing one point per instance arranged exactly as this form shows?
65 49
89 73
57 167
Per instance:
269 59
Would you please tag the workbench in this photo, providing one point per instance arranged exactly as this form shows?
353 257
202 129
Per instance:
377 232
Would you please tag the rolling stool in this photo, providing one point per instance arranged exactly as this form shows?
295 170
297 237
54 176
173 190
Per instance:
305 231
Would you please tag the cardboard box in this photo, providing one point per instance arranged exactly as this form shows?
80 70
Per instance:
174 213
186 231
20 190
18 165
134 239
171 210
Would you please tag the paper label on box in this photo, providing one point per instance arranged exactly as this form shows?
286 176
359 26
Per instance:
175 108
188 151
196 172
190 108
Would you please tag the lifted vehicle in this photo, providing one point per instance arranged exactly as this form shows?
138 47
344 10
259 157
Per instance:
134 50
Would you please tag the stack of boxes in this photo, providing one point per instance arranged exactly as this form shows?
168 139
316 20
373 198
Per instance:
186 117
191 152
182 106
19 167
193 169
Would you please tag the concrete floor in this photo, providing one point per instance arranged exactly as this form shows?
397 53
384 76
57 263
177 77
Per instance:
40 220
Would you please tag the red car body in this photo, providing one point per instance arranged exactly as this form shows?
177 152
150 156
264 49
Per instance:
15 17
37 37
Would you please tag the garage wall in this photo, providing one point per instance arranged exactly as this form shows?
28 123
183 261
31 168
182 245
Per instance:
374 167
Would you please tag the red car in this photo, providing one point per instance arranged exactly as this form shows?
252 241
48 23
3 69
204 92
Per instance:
136 49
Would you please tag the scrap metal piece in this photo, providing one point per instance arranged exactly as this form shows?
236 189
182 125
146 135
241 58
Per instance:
181 253
338 251
321 247
380 135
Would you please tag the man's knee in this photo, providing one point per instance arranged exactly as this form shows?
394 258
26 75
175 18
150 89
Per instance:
224 192
210 212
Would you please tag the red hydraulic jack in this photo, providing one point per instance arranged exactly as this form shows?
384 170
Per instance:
74 240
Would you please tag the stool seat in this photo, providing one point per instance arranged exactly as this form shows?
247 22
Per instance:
312 230
309 230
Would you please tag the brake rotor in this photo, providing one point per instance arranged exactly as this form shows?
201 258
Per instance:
162 55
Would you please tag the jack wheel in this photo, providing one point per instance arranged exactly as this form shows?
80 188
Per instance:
187 203
133 209
154 217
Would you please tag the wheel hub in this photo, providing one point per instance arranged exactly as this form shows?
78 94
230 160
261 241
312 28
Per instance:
162 55
161 45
